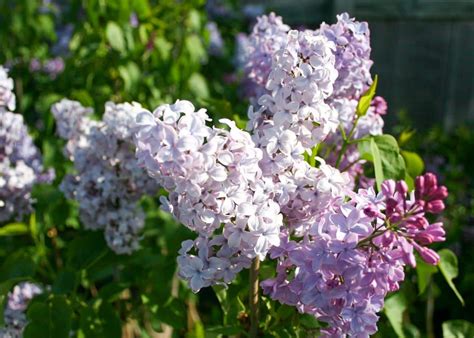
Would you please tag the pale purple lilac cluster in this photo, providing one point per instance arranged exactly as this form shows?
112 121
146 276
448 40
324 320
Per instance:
254 52
339 246
107 182
14 315
216 189
20 160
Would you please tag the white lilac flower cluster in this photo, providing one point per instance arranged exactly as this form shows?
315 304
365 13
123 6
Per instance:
20 161
213 179
14 315
339 250
107 182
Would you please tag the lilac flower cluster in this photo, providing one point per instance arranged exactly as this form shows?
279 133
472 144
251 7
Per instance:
352 40
354 255
213 179
107 182
20 161
14 314
255 52
52 67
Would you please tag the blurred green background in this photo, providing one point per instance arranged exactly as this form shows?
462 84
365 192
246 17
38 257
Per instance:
158 51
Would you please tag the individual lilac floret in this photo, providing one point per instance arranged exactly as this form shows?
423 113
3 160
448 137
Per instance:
107 182
7 97
256 51
213 179
14 314
352 40
20 161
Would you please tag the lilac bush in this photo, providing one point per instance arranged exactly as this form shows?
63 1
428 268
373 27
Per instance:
292 188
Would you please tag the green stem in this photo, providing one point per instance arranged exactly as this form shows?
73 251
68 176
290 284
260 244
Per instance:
346 141
254 298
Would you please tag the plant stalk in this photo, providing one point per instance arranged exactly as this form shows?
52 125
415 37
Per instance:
254 298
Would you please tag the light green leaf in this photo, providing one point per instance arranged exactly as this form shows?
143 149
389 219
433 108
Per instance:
198 86
394 308
383 152
448 266
163 47
115 36
366 98
458 329
195 48
424 272
379 176
414 163
13 229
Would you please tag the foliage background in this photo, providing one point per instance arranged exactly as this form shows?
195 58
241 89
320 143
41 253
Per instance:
156 51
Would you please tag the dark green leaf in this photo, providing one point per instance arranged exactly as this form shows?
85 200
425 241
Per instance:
101 322
66 281
49 319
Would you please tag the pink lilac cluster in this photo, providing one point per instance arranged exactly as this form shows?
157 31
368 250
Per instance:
107 182
21 164
354 255
216 189
14 315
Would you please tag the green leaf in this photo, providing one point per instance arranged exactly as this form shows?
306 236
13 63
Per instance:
17 265
366 98
66 281
84 250
448 266
414 163
394 308
458 329
13 229
198 86
100 322
163 46
225 330
379 176
115 36
424 273
309 321
173 314
130 75
383 152
49 319
194 46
